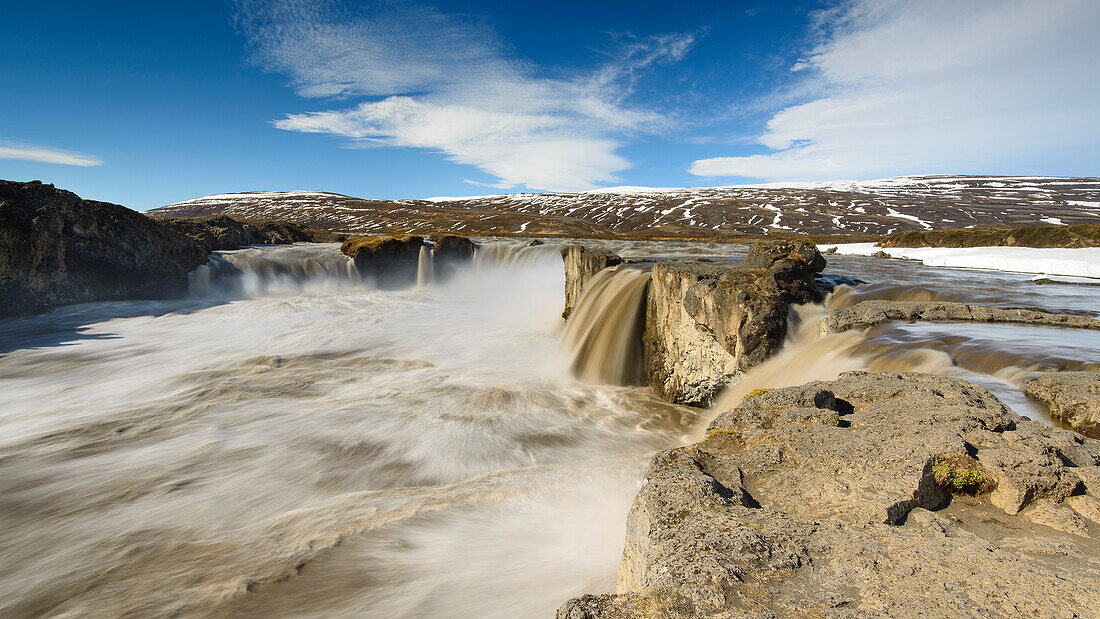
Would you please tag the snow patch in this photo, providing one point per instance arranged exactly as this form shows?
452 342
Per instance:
1084 262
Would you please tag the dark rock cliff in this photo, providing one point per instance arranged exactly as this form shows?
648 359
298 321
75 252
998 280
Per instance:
450 252
390 259
57 249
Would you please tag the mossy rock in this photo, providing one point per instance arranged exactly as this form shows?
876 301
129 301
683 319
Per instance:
353 247
957 472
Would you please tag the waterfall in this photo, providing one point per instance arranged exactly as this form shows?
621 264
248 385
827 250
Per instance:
513 254
425 267
255 271
604 333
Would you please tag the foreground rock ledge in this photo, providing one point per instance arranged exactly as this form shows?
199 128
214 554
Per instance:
1073 397
878 494
866 314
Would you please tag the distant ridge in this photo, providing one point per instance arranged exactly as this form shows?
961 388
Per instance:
874 207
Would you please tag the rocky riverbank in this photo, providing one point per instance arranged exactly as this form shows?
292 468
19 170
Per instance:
891 494
1073 397
876 494
58 249
875 312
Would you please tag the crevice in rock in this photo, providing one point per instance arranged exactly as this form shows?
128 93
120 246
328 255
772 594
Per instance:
928 495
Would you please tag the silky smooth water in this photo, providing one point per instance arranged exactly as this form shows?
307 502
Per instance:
289 441
292 442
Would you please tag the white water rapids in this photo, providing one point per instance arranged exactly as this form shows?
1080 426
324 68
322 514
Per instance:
289 441
305 445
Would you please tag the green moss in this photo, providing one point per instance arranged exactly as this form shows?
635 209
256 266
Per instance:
756 392
1055 412
351 247
711 433
958 472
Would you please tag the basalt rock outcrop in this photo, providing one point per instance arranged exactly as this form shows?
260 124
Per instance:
1073 397
390 260
878 494
57 249
877 311
580 265
450 252
707 323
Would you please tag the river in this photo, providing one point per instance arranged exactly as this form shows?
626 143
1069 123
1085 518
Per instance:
289 441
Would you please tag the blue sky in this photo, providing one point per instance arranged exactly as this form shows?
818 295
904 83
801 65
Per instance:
145 103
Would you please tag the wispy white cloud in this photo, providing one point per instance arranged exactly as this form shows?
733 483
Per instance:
909 86
45 154
446 83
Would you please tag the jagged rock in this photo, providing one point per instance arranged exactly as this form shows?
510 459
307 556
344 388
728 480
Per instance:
580 265
1073 397
793 264
707 323
451 251
875 312
57 249
865 496
390 260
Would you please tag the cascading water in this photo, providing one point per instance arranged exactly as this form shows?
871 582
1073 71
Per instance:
604 332
315 447
425 268
514 254
293 442
256 271
969 351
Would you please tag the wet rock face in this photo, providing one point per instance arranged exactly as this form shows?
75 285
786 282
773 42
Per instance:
450 252
875 312
580 265
57 249
705 323
1073 397
870 495
390 259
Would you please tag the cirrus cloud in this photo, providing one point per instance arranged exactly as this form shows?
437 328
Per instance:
46 154
906 86
445 83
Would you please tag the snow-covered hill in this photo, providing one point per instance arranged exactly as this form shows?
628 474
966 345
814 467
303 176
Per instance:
841 207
